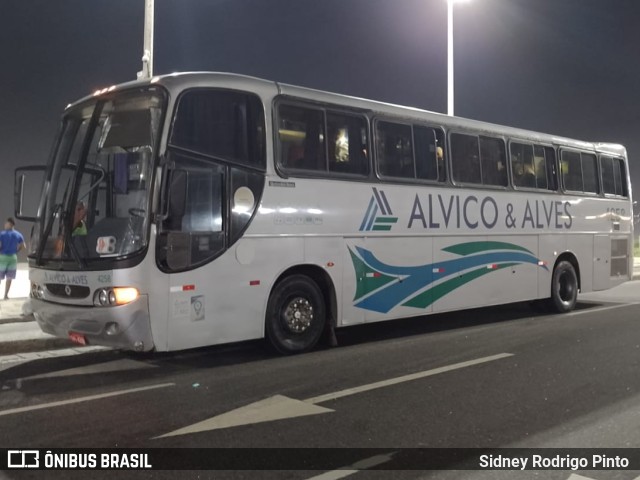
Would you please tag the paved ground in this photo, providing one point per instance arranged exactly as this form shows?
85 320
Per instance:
494 377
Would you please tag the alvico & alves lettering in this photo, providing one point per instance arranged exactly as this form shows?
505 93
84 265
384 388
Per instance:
440 211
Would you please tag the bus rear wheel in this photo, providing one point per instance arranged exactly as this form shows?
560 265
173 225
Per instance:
296 315
564 288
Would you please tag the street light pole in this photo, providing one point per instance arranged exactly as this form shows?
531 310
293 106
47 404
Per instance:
147 54
450 57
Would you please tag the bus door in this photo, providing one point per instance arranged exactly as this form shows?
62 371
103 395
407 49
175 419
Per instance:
190 235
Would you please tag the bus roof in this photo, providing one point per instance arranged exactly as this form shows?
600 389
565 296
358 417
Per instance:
180 80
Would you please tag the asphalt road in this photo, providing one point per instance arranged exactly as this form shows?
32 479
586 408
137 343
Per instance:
486 378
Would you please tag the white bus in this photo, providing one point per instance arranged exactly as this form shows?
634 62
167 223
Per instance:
222 208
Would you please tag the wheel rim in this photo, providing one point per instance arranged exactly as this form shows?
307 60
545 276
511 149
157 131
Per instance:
298 314
567 287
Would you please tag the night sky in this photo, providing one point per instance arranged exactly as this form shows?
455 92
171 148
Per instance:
567 67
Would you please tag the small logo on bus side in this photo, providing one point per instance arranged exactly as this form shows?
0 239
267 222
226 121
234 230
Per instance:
374 221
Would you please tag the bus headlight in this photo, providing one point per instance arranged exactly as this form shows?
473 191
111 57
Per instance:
112 296
124 295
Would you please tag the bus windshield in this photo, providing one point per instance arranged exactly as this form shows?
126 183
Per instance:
96 197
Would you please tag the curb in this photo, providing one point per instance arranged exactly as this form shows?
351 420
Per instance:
20 319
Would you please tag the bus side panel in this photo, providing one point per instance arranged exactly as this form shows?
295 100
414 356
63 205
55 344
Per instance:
521 276
485 270
453 293
602 261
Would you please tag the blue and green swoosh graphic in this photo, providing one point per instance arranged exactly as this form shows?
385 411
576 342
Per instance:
381 287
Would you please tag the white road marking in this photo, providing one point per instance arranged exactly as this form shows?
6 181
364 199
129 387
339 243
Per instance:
71 401
574 476
273 408
404 378
599 309
280 407
355 468
109 366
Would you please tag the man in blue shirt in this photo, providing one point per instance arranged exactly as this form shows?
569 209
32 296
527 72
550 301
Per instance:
11 242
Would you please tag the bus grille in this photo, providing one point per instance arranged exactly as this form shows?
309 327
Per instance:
68 291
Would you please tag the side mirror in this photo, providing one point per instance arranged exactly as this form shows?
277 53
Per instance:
28 180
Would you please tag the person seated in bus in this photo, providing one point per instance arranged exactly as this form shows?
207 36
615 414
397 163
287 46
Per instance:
79 220
524 175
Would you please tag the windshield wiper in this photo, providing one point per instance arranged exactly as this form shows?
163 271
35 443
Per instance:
64 235
95 184
57 208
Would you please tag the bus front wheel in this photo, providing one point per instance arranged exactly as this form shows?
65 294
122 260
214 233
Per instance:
296 315
564 288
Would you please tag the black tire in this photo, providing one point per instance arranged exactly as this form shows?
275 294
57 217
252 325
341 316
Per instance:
296 315
564 288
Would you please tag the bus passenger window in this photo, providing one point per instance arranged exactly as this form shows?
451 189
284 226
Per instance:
394 150
522 165
589 173
608 180
347 144
429 156
571 169
494 164
301 134
619 177
579 171
540 167
465 158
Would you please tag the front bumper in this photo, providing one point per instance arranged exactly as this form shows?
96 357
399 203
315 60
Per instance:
133 326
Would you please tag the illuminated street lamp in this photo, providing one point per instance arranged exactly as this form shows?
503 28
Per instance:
450 54
147 53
